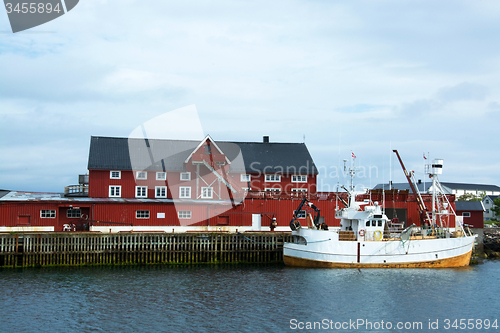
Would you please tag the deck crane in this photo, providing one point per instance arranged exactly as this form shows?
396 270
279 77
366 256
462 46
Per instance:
422 209
305 203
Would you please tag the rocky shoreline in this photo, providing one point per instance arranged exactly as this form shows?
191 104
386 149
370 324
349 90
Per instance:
491 242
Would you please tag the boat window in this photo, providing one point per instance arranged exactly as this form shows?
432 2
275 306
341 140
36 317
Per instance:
367 223
379 223
374 223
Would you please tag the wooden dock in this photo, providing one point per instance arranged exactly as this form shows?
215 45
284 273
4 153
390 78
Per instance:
81 248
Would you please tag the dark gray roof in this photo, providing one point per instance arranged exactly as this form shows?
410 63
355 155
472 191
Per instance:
471 187
3 192
469 205
492 197
108 153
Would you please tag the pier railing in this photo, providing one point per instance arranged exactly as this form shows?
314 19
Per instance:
52 249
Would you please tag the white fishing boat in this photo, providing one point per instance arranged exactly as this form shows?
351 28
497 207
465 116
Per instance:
365 238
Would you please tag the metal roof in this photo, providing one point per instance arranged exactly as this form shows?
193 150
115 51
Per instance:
21 196
469 205
422 187
107 153
473 187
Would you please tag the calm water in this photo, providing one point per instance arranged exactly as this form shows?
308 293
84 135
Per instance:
245 299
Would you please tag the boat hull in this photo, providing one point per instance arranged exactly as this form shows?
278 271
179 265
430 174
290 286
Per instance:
323 249
458 261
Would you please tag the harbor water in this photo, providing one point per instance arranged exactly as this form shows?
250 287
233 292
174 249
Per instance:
249 298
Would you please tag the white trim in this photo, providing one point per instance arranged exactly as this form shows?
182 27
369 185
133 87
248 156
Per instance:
186 195
273 189
146 216
74 211
205 195
201 143
463 214
140 173
162 174
158 188
273 178
245 177
115 187
184 214
115 177
302 214
299 179
185 173
299 189
48 213
144 192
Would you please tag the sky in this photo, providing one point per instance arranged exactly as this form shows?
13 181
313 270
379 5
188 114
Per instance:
362 77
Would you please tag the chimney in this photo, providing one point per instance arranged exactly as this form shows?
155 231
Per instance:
266 139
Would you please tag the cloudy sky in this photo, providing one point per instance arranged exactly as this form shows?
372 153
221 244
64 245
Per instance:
361 76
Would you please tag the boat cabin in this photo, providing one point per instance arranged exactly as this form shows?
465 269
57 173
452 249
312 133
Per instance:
367 225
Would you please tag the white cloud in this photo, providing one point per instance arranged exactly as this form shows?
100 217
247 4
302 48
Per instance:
422 75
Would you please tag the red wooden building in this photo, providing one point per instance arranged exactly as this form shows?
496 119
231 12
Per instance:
472 213
165 185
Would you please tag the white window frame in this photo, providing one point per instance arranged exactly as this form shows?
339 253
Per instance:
207 193
184 195
272 178
299 189
302 214
161 175
299 178
142 214
272 189
119 176
466 214
245 177
184 214
47 213
73 214
115 187
160 188
143 193
138 175
188 174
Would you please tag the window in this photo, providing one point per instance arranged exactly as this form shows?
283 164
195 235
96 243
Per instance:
48 213
487 201
301 214
115 191
185 175
207 193
115 174
141 175
245 178
299 189
299 179
487 211
184 192
142 214
184 214
466 214
273 178
141 191
161 191
273 189
73 213
161 176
